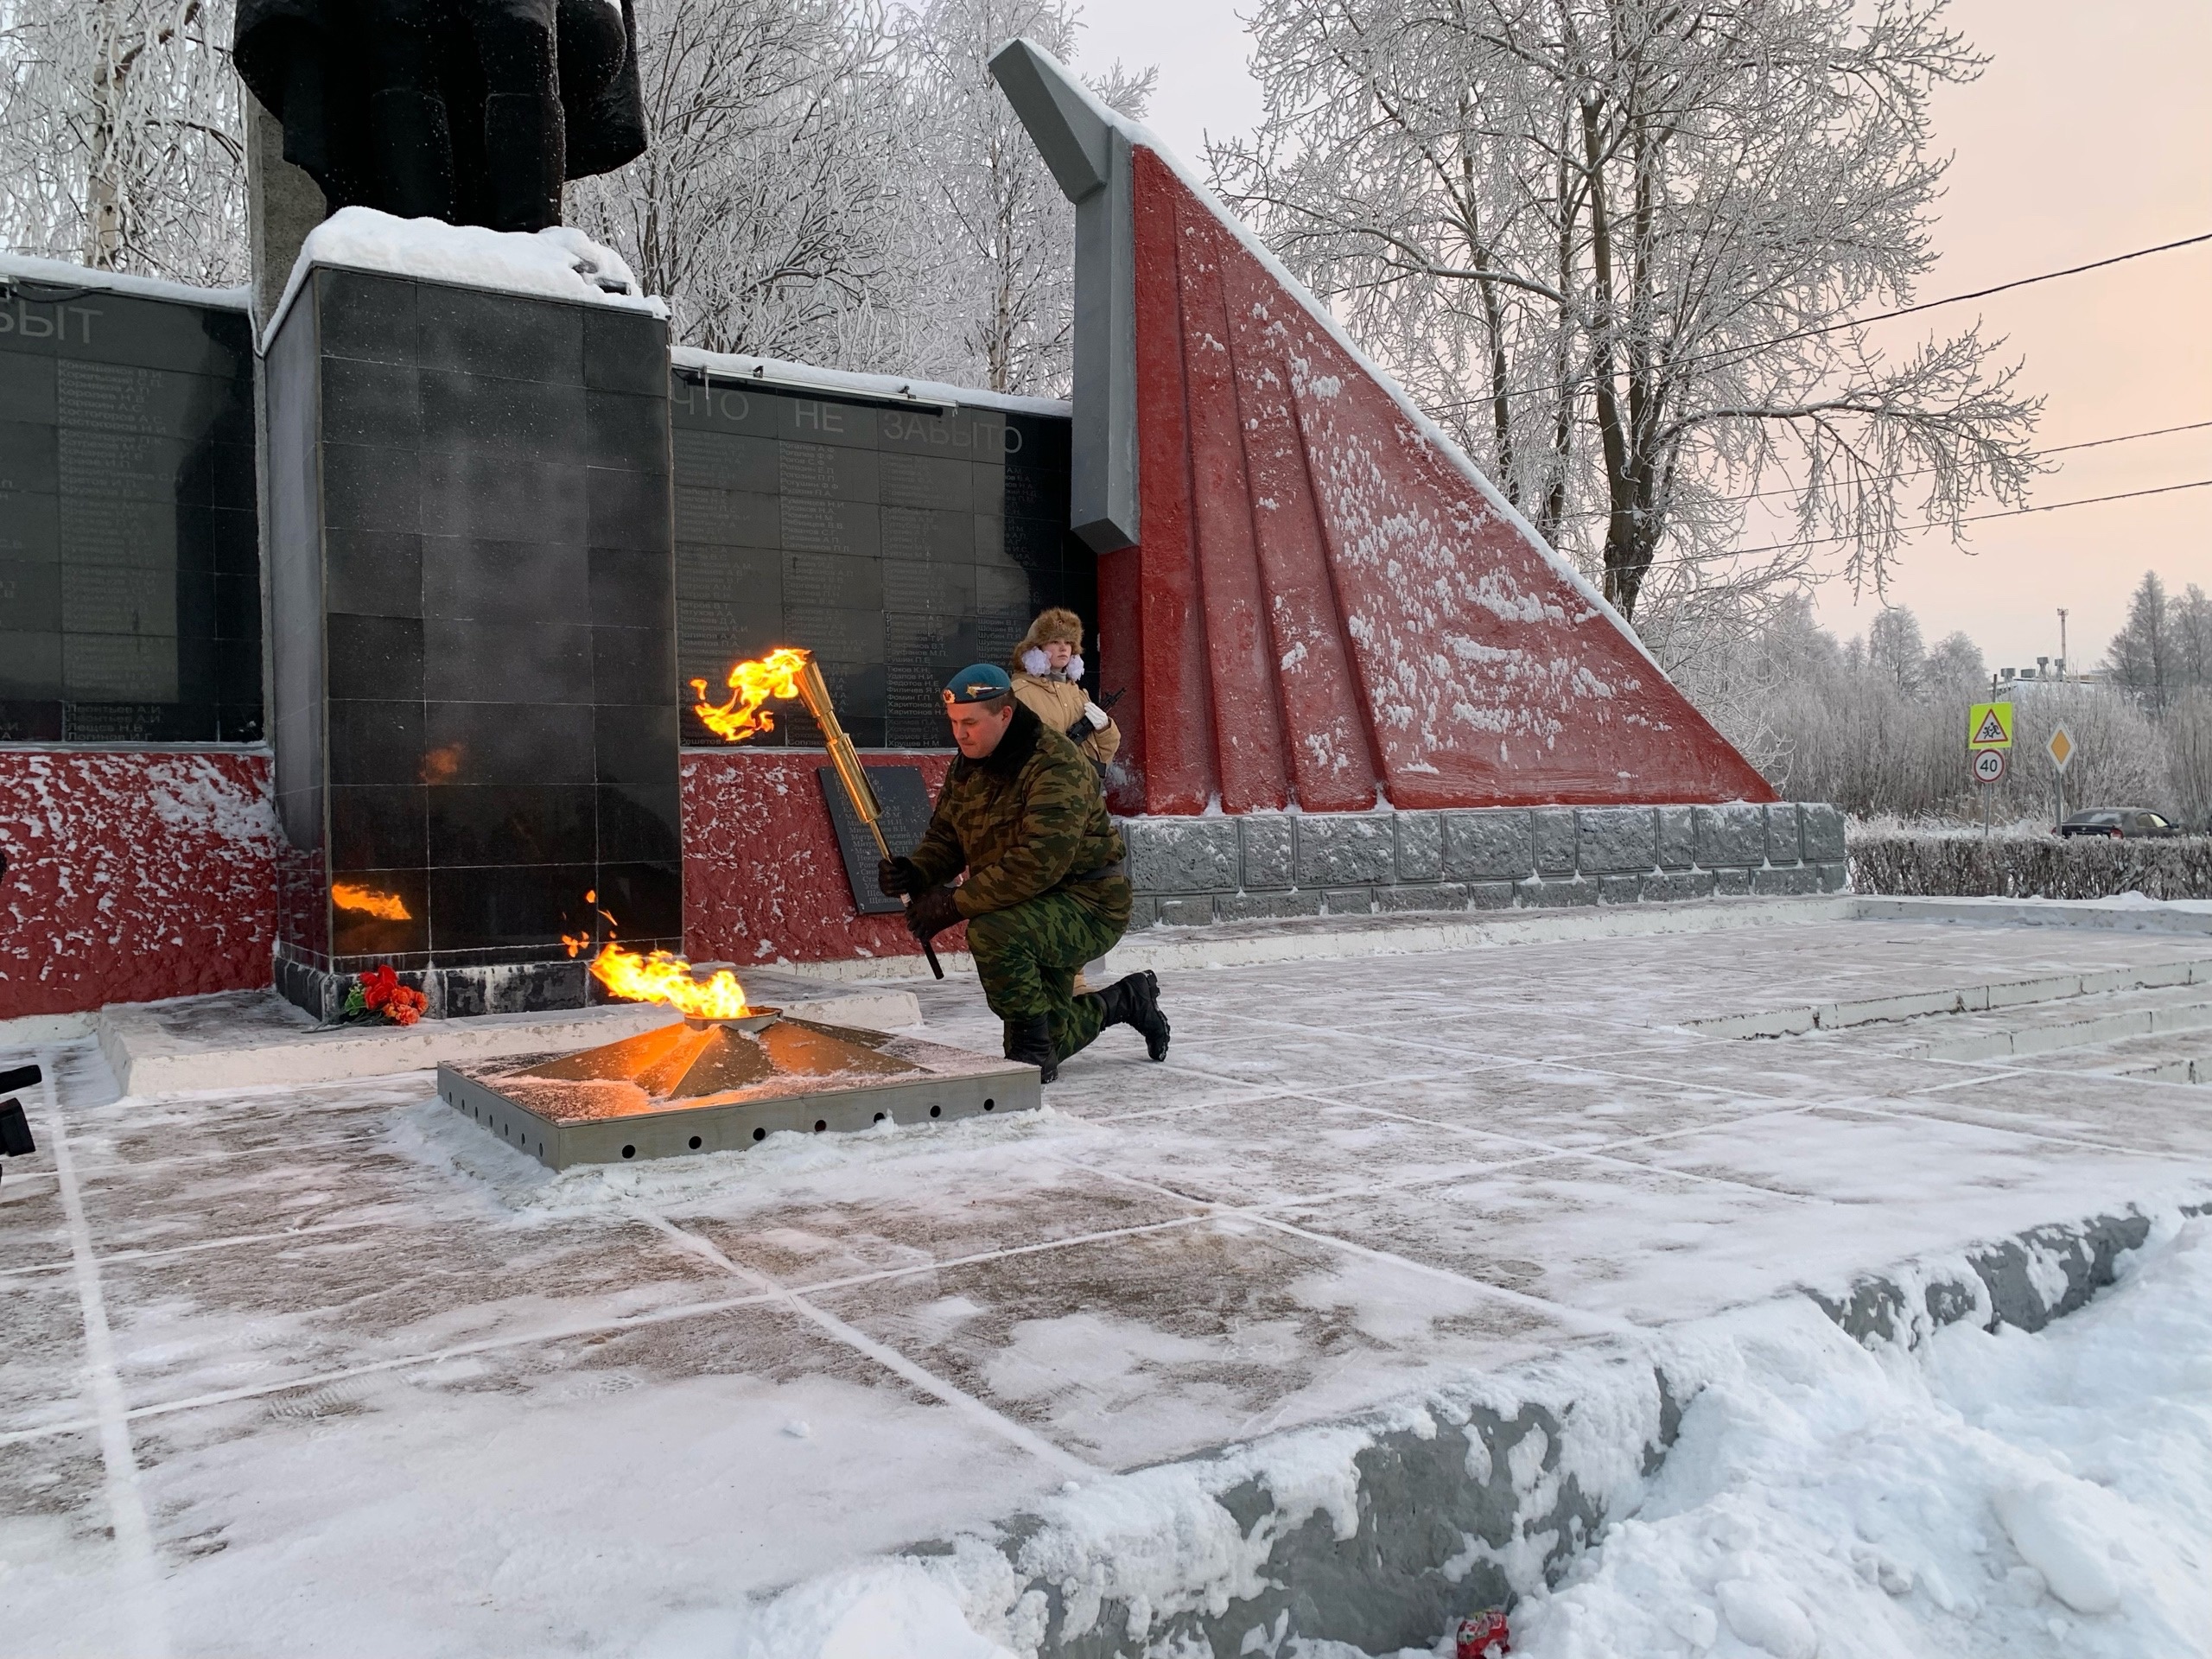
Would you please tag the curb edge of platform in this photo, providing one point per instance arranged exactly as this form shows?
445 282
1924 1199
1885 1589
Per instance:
1488 1470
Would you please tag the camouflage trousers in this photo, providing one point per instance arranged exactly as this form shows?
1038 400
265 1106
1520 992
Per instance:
1027 957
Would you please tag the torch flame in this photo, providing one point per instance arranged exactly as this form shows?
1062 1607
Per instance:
751 685
384 906
661 977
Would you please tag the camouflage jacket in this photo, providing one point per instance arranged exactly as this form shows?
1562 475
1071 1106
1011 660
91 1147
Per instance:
1027 818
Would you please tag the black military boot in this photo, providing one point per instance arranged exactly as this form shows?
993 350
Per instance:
1030 1041
1134 999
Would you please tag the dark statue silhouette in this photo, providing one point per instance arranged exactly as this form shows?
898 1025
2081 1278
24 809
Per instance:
474 111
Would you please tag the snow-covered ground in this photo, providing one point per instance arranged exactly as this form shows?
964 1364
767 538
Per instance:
328 1371
1990 1493
1995 1494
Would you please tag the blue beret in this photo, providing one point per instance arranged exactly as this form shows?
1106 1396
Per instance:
977 682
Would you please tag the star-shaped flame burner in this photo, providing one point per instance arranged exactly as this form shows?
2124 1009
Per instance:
708 1085
703 1058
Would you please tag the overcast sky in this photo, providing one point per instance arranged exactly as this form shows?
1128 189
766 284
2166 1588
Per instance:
2090 133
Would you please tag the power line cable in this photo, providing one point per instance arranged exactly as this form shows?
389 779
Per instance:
2125 437
1856 322
1973 518
1978 294
1922 472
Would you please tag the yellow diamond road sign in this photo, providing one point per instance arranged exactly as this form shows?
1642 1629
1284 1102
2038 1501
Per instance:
2061 747
1989 725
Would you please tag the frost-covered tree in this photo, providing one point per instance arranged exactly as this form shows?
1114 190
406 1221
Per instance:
1894 649
825 180
2140 655
1956 669
830 181
2188 758
1743 669
994 240
1835 724
765 208
1613 244
2188 627
120 136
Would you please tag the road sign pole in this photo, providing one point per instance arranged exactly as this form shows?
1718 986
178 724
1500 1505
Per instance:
2061 747
1989 734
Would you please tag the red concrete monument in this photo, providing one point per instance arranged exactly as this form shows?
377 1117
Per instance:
1311 594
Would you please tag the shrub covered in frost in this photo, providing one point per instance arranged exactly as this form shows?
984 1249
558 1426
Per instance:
2024 867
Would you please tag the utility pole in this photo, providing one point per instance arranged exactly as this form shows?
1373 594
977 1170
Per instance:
2062 643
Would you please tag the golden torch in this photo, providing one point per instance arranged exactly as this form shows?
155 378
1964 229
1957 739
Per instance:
790 672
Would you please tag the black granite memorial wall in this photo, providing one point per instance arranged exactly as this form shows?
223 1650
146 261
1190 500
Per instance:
475 719
129 577
897 543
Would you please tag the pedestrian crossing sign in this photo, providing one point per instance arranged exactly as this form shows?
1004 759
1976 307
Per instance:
1989 725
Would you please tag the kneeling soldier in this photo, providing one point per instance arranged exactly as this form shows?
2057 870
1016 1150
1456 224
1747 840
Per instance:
1021 811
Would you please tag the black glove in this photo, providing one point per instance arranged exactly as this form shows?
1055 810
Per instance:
932 912
897 876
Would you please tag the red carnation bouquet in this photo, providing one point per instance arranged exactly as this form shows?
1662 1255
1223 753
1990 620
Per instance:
378 995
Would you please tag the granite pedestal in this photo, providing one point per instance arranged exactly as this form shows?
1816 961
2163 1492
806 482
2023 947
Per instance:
475 686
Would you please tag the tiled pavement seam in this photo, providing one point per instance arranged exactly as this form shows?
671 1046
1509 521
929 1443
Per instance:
1205 1210
880 1353
140 1578
1540 1152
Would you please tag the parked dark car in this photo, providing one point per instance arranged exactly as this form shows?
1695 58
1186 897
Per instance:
2116 822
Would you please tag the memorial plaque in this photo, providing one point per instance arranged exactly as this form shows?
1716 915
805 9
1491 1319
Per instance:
736 461
927 482
922 533
904 798
898 563
819 524
126 485
844 474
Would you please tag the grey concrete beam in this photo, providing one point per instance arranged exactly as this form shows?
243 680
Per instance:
283 203
1083 145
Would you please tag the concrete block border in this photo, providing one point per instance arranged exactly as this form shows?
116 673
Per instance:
1382 1554
1189 872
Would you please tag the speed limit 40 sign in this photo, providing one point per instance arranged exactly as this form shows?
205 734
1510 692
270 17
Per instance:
1989 766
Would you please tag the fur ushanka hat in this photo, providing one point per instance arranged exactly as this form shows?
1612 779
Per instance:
1055 624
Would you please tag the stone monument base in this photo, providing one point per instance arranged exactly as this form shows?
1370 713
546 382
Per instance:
474 680
453 993
1190 871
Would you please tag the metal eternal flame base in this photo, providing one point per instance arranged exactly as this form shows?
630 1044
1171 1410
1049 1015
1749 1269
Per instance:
722 1085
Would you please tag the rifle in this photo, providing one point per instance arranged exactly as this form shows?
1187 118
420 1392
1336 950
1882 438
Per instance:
814 692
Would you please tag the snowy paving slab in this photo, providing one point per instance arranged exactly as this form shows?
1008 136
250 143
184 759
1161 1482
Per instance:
382 1384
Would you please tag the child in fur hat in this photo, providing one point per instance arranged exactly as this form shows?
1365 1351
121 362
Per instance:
1047 678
